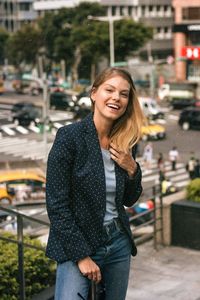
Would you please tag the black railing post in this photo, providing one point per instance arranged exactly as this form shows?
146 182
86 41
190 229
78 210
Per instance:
93 290
154 217
20 257
161 213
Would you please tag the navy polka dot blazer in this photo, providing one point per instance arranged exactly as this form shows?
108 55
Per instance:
76 193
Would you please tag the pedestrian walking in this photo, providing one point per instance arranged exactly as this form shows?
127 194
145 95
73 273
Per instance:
197 169
173 157
160 162
190 166
148 155
91 176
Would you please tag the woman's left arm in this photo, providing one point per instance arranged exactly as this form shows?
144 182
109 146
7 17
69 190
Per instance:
134 174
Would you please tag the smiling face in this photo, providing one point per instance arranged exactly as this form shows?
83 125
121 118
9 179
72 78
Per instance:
111 98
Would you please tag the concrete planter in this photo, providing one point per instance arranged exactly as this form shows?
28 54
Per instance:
185 224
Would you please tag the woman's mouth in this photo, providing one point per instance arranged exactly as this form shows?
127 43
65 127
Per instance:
113 106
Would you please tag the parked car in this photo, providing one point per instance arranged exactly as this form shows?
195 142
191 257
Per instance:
197 103
28 86
61 100
19 185
153 132
190 118
25 113
178 103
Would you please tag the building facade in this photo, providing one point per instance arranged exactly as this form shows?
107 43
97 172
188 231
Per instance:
15 13
187 39
156 13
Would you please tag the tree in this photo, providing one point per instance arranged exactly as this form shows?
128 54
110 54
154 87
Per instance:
68 34
3 39
129 37
23 45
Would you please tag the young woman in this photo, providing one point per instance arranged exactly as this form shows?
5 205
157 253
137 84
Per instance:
91 176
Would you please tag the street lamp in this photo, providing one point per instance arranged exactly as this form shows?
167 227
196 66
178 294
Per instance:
111 20
45 108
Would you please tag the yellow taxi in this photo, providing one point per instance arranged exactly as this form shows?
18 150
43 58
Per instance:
2 89
21 185
153 132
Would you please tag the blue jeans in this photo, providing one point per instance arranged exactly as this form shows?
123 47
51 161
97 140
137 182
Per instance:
113 258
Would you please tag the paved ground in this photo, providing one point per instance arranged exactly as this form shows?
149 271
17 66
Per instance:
169 273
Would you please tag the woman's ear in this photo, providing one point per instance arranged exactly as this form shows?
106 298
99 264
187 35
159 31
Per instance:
92 95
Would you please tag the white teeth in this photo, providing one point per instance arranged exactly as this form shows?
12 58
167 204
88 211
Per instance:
113 106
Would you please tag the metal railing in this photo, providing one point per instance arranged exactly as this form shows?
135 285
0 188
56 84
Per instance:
151 218
155 217
19 221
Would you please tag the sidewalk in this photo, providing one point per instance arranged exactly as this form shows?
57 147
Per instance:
169 273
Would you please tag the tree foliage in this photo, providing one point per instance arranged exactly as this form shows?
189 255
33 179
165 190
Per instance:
39 270
193 190
69 35
129 37
3 39
23 45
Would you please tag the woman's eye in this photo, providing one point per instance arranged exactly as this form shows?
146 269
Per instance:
125 95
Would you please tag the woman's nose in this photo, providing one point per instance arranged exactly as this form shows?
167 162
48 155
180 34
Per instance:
116 95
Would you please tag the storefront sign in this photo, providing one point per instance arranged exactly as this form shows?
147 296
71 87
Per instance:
191 52
186 28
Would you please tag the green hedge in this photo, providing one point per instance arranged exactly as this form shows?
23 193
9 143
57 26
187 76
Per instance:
38 269
193 190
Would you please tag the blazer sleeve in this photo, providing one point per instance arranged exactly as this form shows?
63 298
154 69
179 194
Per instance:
133 188
133 185
62 223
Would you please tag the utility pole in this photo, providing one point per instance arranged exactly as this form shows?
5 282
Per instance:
110 19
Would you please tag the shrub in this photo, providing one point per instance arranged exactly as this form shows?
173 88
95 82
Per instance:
39 271
193 190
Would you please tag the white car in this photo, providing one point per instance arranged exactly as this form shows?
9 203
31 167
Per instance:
85 101
150 108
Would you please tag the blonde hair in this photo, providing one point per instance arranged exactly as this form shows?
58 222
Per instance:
126 130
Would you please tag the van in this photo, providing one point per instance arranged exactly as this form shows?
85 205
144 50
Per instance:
170 91
150 108
20 185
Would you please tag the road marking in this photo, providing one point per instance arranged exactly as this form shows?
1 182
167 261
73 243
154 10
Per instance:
57 125
8 130
173 117
34 128
22 130
5 106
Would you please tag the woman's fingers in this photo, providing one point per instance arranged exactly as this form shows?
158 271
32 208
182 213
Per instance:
90 269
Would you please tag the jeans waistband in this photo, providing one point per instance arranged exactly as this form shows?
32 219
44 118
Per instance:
111 227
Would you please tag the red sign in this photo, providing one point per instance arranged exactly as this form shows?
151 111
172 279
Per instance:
191 52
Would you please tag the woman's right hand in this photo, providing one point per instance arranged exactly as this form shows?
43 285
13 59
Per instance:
89 269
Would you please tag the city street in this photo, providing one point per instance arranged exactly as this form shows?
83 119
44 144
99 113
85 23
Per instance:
186 141
19 143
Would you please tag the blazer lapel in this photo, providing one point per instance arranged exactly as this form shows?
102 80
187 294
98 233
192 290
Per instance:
96 159
95 155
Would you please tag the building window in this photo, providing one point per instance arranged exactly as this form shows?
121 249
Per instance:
121 8
24 6
143 10
113 10
130 10
165 7
191 13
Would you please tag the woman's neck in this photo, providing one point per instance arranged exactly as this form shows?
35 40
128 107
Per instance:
103 131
